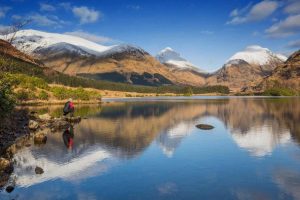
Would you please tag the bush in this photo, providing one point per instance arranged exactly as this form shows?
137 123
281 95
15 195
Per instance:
43 95
7 99
25 94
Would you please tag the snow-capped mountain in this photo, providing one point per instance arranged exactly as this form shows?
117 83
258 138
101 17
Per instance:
33 41
257 55
172 58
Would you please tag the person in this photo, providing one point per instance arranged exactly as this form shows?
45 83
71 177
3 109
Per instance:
69 108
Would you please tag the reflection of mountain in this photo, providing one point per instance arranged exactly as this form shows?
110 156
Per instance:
171 138
260 140
65 167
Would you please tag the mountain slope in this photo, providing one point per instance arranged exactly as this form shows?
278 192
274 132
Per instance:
246 68
120 63
286 75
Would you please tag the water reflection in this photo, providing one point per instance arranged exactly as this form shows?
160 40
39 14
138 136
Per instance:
125 130
68 137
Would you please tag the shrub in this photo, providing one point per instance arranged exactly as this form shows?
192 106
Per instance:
43 95
7 99
25 94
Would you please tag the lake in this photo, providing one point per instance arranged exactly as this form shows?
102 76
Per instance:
151 149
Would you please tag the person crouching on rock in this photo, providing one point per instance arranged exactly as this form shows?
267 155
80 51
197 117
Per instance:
69 108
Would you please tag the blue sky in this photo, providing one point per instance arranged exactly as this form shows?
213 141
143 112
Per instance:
206 33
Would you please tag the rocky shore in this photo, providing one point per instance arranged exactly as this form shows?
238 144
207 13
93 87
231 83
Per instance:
23 128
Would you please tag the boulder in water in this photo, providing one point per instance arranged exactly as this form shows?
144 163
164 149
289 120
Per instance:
38 170
205 126
9 189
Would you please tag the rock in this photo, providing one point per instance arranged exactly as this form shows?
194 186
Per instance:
38 170
33 125
27 145
4 178
58 125
9 189
45 117
6 166
73 119
205 126
40 138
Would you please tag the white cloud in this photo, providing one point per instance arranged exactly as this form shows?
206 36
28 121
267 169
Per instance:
257 12
86 15
3 11
65 5
4 29
45 20
16 17
294 44
46 7
286 27
134 7
90 37
293 7
206 32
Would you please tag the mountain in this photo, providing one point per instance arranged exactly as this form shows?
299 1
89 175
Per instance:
119 63
246 68
286 75
173 59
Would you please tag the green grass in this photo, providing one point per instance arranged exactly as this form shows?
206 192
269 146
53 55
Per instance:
78 93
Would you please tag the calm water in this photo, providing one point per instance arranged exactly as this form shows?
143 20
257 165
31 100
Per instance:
152 150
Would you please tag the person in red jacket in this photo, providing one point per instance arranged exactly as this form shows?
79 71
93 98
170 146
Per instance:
69 108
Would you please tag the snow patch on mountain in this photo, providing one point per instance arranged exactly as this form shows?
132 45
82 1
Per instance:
257 55
171 57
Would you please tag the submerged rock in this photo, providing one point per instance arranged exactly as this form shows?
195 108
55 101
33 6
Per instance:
40 138
38 170
33 125
9 189
205 126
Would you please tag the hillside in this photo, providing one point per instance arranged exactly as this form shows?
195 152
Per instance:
285 77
